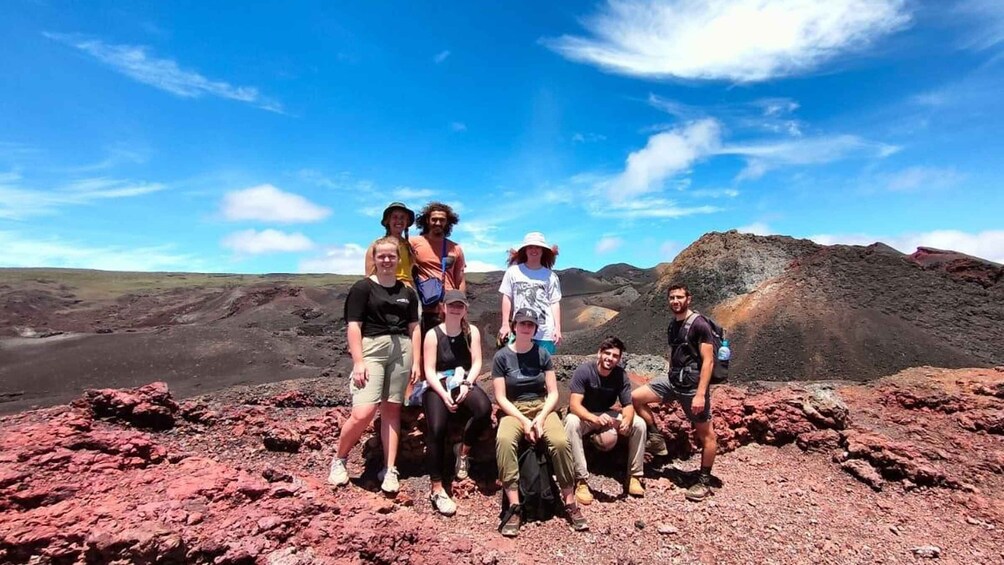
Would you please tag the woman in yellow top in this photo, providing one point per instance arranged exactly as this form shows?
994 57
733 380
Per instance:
397 218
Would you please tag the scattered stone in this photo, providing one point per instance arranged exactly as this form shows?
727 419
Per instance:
666 529
927 551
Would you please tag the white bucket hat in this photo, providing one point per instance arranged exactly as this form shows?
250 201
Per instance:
535 238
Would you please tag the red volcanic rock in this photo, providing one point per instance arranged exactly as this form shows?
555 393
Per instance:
290 399
864 472
984 420
149 406
895 460
281 438
921 400
820 440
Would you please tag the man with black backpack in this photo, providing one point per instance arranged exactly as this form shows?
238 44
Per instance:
691 364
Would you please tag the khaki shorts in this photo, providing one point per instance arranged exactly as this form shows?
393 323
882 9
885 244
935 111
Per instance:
388 362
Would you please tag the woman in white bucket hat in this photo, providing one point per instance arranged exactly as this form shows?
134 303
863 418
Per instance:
530 283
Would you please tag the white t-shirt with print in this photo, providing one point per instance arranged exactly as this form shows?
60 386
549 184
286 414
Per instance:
536 289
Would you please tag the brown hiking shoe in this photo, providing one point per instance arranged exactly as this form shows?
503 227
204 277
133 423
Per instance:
582 494
510 528
575 517
634 487
656 444
699 490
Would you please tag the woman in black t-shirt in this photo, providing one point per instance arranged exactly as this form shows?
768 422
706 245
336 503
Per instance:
452 361
526 389
381 315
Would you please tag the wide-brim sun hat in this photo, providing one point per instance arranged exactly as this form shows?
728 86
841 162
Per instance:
536 239
397 206
453 296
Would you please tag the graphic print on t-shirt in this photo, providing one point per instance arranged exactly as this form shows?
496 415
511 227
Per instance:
531 294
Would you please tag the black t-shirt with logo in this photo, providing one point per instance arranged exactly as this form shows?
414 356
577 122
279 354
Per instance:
599 394
382 310
682 356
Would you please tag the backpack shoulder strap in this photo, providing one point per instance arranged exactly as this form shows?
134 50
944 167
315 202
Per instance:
686 333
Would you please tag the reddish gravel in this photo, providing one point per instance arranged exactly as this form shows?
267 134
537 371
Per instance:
808 473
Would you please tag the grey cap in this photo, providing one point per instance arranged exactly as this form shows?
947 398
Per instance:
525 315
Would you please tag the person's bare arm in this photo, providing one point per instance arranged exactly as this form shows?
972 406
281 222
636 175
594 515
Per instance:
354 334
575 407
370 265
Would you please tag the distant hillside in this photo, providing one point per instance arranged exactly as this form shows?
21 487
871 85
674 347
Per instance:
799 310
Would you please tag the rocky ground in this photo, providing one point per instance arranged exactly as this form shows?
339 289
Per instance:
904 469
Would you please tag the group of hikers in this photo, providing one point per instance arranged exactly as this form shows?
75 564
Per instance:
407 323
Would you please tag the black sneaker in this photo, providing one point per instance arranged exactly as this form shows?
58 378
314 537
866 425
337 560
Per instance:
575 517
656 444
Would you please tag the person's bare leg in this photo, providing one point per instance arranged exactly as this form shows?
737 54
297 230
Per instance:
353 428
390 430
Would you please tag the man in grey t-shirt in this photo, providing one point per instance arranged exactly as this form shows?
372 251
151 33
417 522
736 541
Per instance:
596 387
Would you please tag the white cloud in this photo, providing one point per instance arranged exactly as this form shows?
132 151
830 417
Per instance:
18 201
666 154
406 193
479 237
923 178
253 242
763 156
608 244
642 208
481 267
588 137
739 40
21 251
458 126
987 244
756 228
164 74
441 56
714 193
267 203
348 259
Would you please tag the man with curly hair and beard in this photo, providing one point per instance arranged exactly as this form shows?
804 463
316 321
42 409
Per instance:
436 258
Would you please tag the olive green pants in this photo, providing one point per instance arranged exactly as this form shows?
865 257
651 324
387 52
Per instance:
510 433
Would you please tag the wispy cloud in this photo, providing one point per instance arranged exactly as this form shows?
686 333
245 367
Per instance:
742 40
646 208
987 244
458 126
18 201
441 56
165 74
588 137
774 115
764 156
252 242
987 17
348 259
268 203
756 228
20 251
406 193
913 179
608 244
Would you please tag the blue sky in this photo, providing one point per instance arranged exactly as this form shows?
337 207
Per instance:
248 137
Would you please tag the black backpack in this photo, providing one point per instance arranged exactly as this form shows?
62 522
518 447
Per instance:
539 496
720 372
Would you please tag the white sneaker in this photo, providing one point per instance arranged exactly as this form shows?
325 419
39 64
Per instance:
461 471
338 475
443 503
390 483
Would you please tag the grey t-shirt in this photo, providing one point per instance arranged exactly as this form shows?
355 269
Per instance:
523 372
600 393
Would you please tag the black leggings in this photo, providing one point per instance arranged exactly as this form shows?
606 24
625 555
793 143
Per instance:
476 405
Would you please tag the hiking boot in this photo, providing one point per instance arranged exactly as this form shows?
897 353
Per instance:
582 494
634 487
338 475
510 528
699 490
462 470
575 517
390 483
443 503
656 444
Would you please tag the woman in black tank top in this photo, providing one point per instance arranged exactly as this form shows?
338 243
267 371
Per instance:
452 362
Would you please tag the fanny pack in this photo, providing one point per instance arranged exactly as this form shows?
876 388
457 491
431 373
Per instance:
431 291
